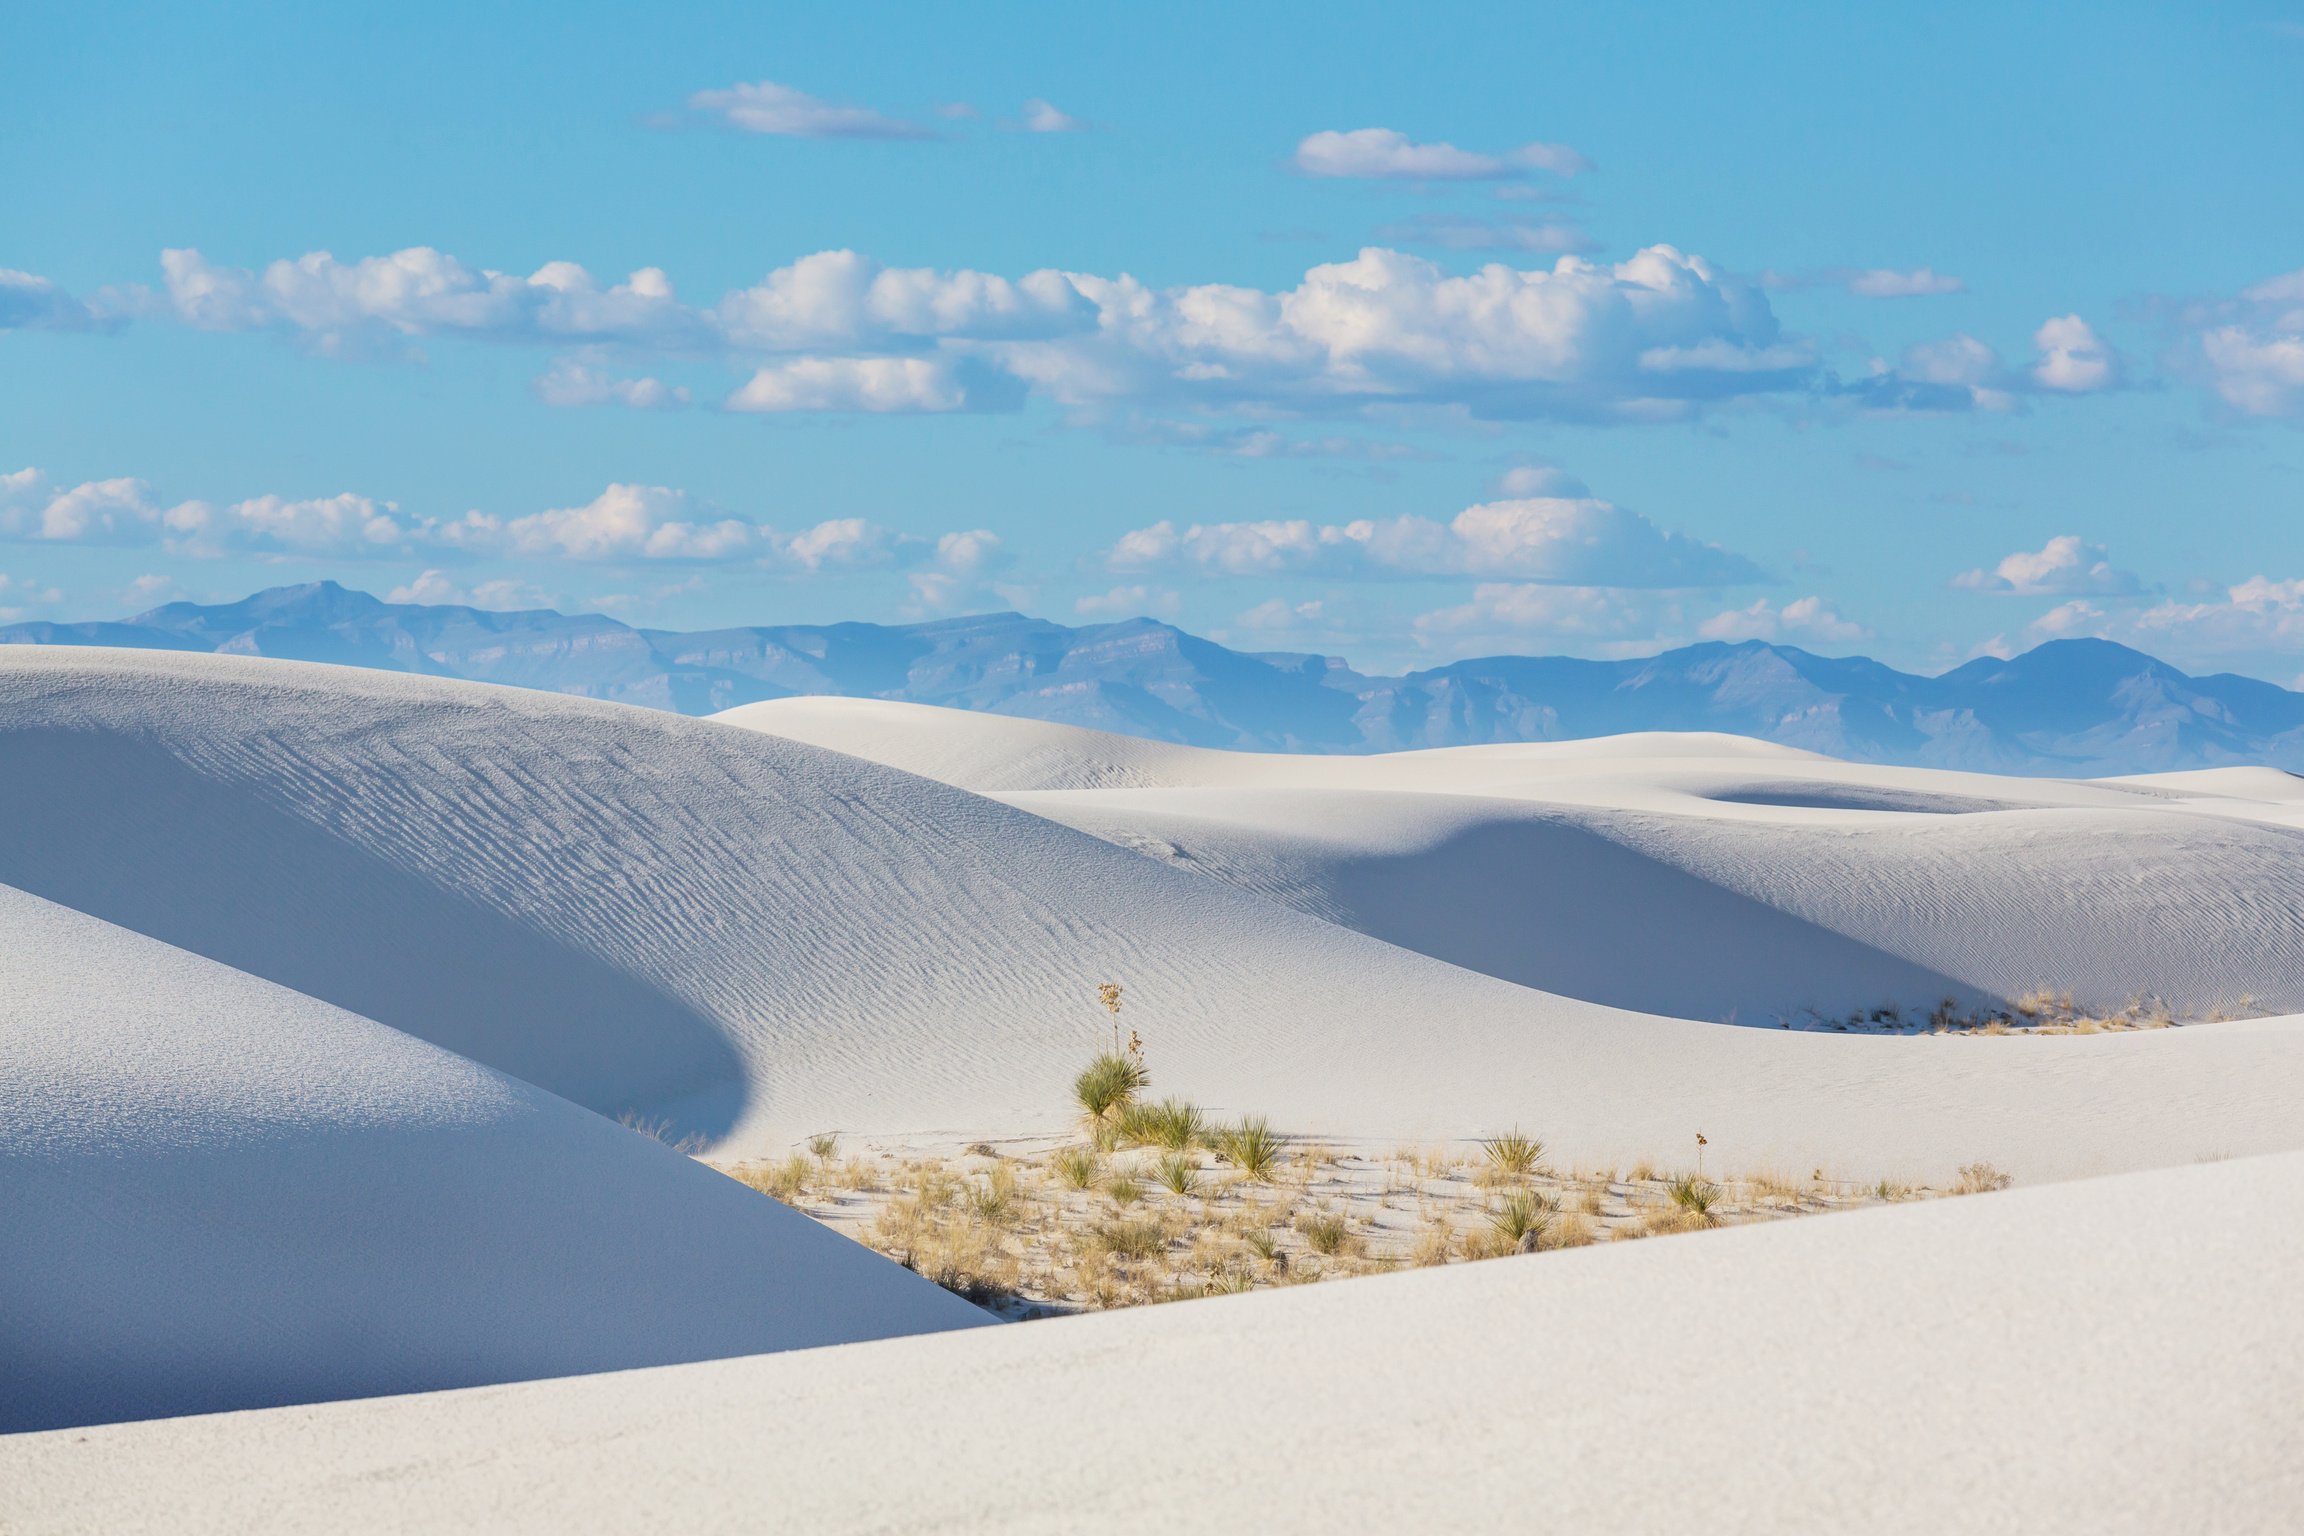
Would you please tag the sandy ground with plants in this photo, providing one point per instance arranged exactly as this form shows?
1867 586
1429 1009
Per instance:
1030 1229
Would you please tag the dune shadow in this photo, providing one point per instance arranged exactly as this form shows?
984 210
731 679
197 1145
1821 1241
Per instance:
1859 797
121 828
1559 907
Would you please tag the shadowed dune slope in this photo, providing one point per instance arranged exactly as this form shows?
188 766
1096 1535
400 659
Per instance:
2107 1357
216 1193
824 943
1701 875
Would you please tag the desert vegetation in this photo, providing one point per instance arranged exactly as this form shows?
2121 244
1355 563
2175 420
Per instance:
1160 1201
2041 1011
1037 1229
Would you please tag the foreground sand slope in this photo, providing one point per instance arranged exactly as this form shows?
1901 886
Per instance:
2111 1356
757 939
217 1193
1701 875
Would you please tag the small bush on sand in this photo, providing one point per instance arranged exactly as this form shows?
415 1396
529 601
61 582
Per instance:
1513 1155
1695 1197
1131 1239
1172 1123
994 1198
1124 1190
1324 1232
1436 1244
1261 1242
1109 1083
1178 1173
1522 1220
1251 1147
1078 1167
824 1148
1979 1179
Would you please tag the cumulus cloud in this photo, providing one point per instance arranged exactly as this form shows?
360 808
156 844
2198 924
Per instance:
1041 117
2073 359
423 292
960 573
2251 349
1651 337
31 303
503 595
1504 613
1575 541
124 511
575 381
1807 618
881 384
624 522
1461 232
1383 154
1961 373
2259 614
2063 567
767 107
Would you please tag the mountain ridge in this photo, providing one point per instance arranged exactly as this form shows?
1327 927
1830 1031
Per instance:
2066 707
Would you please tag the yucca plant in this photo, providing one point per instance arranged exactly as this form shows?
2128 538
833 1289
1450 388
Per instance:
1695 1195
1251 1147
1522 1220
1178 1173
1110 1082
1514 1155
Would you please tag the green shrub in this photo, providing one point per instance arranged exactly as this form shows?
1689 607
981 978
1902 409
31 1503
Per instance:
1251 1147
1110 1082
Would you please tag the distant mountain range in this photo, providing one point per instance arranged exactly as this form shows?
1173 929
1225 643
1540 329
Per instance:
2075 707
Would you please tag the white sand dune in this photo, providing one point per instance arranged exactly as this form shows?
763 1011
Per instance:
2114 1356
1701 876
216 1193
759 938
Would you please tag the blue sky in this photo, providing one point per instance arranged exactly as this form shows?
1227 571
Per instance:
1406 336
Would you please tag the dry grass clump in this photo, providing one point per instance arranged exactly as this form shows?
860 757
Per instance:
786 1181
1325 1232
1123 1189
2040 1011
1979 1179
1078 1167
660 1130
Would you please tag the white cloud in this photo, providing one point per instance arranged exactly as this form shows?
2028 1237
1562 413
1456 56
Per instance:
1129 602
2065 566
32 303
646 522
575 382
1460 232
2256 615
1041 117
1808 618
841 299
2073 359
1383 154
1576 541
1278 614
879 384
1887 283
961 572
502 595
1960 373
423 292
2251 349
1539 480
20 595
1503 614
767 107
1647 338
341 524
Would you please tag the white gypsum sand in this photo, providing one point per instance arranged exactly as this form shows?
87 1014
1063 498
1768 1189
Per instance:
756 939
2103 1357
216 1193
